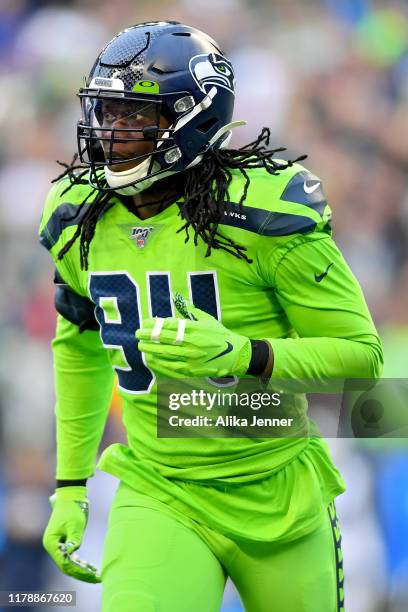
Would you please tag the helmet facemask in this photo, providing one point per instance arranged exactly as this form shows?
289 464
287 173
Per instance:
124 139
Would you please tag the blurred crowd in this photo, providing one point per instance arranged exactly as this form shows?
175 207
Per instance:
331 80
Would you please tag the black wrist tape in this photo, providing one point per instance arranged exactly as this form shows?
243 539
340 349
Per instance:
71 483
259 358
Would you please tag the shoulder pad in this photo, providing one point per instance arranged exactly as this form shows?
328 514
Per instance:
61 209
290 202
305 188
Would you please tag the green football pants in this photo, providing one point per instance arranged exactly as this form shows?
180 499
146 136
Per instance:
154 563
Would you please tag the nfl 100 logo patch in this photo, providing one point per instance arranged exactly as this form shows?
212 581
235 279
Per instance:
140 235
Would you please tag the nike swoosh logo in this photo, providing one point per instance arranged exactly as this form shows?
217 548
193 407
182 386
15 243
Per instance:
320 277
312 188
227 350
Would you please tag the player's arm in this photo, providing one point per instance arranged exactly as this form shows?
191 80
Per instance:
333 336
83 382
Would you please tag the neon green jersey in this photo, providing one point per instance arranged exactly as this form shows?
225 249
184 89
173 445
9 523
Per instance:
298 292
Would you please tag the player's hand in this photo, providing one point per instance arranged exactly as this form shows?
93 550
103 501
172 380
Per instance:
197 345
65 530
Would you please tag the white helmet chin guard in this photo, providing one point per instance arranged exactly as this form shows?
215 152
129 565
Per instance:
133 181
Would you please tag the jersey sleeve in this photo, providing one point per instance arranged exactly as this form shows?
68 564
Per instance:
83 374
336 337
84 383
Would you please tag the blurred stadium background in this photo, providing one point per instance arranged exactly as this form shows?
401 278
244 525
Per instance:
331 80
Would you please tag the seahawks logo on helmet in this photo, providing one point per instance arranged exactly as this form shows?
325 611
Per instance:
212 69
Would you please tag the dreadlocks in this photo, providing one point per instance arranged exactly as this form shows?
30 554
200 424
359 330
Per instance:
206 195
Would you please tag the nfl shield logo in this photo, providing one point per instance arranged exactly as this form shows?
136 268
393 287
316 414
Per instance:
140 235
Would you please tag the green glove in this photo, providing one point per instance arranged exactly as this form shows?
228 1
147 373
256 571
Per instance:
65 530
195 346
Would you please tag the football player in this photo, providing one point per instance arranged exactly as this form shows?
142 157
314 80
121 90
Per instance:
177 256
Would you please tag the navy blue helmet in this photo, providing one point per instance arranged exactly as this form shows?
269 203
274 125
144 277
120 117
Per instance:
161 83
